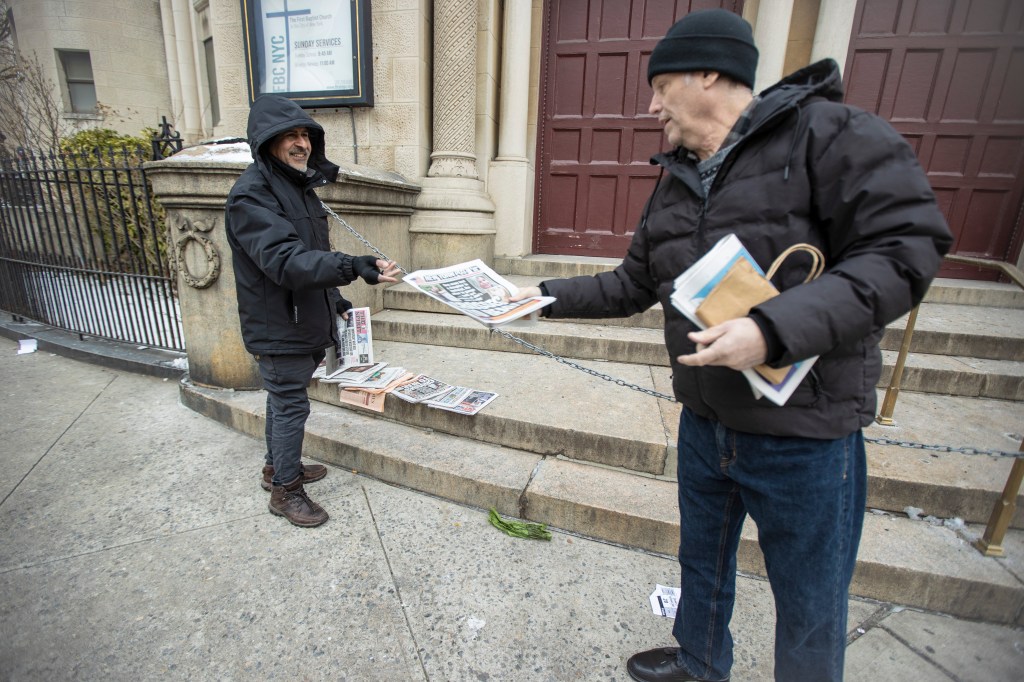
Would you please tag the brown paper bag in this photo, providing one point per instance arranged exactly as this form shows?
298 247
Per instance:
742 288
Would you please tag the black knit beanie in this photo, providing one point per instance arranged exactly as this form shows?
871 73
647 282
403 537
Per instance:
711 40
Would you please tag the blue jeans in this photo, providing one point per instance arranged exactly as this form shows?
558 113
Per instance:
807 497
286 378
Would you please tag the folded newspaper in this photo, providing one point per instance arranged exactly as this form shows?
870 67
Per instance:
355 337
477 291
697 282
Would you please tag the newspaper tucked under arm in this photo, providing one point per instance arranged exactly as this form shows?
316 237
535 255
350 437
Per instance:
694 285
476 290
355 338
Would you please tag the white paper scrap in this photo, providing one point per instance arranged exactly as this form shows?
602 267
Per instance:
27 346
664 601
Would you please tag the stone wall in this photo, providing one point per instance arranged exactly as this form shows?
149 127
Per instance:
126 49
193 187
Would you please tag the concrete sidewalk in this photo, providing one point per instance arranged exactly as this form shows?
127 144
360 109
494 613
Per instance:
137 545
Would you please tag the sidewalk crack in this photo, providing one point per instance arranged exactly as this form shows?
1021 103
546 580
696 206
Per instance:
394 581
57 440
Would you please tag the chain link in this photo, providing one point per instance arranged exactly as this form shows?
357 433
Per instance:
647 391
587 370
361 238
946 448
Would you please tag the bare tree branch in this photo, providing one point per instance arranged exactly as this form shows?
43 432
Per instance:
30 113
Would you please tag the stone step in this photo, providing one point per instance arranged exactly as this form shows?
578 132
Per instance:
570 339
977 331
962 376
1003 379
943 290
552 410
910 562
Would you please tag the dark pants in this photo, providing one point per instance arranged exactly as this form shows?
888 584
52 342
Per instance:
286 378
807 497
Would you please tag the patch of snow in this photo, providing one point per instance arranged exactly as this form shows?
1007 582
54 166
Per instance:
913 513
235 152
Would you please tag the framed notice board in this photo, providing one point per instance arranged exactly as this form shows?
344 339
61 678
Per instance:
317 53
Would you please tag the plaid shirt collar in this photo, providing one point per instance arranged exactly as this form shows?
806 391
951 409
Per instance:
739 129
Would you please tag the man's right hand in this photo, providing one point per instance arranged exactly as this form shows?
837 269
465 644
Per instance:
525 292
373 270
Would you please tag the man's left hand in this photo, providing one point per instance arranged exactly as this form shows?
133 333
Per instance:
737 344
342 306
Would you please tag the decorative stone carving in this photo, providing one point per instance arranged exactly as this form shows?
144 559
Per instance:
454 89
194 232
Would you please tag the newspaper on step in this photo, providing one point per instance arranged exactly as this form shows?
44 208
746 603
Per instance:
694 285
476 290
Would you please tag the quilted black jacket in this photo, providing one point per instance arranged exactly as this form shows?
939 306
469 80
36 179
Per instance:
285 270
809 169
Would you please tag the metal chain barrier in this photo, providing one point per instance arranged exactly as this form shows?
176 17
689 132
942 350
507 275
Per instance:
647 391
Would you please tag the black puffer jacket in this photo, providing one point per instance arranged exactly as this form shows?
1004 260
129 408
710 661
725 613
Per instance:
810 169
285 270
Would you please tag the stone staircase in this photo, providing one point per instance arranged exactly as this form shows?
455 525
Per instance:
591 457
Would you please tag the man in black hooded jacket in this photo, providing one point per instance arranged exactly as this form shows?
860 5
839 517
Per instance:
788 166
285 279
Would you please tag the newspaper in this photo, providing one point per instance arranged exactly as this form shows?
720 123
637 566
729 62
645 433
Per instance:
421 388
470 402
355 338
353 373
449 398
665 601
477 291
691 287
381 378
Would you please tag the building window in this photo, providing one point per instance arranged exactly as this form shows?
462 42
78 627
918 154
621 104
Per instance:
211 80
81 89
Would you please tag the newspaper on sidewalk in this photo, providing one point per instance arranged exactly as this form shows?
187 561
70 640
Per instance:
476 290
665 601
697 282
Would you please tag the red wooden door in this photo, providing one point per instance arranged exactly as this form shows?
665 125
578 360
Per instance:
596 137
949 76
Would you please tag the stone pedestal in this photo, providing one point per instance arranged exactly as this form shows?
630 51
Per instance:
193 186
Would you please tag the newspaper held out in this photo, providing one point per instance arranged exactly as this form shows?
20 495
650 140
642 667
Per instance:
693 286
476 290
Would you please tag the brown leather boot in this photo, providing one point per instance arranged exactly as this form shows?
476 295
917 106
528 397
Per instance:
310 473
290 501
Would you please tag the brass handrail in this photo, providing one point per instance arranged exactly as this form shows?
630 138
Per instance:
991 543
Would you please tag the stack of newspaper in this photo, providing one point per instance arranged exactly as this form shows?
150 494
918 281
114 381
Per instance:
364 382
694 285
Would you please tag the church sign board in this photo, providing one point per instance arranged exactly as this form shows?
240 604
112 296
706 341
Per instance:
314 52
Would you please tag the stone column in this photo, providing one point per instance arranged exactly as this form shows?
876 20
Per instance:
180 46
833 31
510 177
771 35
454 219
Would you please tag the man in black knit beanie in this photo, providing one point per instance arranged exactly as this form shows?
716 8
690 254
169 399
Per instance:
790 165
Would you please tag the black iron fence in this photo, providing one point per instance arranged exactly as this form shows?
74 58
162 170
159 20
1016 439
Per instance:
83 246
